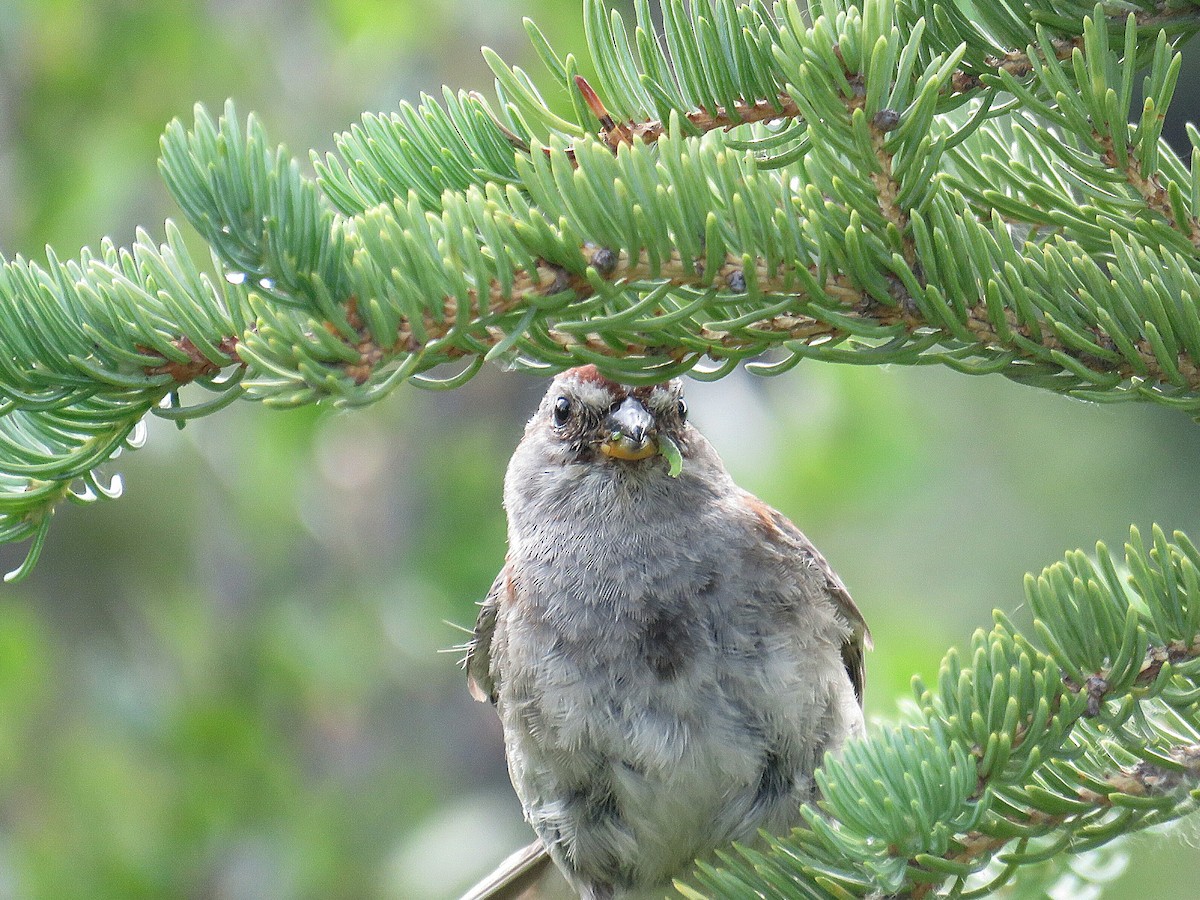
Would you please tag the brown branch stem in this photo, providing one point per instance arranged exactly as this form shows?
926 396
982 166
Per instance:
1149 188
852 301
1142 780
197 364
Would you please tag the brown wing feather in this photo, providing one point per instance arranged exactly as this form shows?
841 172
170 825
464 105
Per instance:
480 680
854 650
859 639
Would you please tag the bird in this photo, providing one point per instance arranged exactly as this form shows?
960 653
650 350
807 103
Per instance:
670 657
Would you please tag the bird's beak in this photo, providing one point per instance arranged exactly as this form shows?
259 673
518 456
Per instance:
627 432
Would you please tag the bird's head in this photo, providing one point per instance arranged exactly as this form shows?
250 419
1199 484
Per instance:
586 417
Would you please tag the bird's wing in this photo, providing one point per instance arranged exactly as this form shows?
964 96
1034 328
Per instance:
526 875
858 641
478 661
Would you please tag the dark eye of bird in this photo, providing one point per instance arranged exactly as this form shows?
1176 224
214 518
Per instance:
562 411
682 410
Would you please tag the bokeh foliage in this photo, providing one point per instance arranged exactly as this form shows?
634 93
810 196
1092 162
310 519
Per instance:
230 687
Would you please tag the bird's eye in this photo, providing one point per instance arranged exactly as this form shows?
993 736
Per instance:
682 407
562 411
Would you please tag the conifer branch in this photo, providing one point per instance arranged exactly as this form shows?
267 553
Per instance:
821 188
900 181
1021 755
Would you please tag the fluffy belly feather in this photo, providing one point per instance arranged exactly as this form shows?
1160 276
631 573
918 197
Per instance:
627 782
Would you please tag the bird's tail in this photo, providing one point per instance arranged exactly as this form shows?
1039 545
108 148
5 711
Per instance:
527 874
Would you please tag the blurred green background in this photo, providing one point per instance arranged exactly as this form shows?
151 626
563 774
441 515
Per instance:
228 684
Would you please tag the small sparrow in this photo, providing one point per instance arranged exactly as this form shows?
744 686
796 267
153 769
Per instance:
669 656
